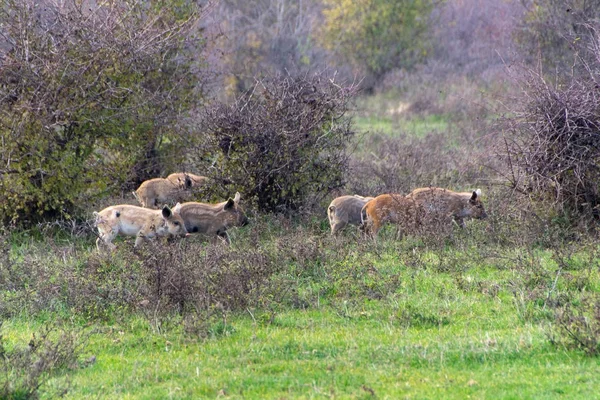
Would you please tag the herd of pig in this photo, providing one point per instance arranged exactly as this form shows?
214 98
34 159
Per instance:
421 207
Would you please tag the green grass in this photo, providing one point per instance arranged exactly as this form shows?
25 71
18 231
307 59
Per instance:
411 128
382 114
469 316
316 353
386 320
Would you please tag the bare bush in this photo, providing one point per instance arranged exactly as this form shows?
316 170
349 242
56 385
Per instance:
25 370
552 144
578 326
185 278
399 165
282 142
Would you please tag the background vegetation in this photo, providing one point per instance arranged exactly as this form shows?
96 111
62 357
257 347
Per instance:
273 99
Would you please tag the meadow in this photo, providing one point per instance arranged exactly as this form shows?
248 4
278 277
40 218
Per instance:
505 308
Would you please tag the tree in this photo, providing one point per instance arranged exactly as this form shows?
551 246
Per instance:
377 35
475 37
264 37
88 94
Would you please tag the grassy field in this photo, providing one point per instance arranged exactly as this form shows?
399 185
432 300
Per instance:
387 320
506 308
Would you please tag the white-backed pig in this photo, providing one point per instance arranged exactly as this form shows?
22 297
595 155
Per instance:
213 219
144 223
345 210
445 205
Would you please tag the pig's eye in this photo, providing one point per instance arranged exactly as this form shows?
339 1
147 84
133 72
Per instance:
176 223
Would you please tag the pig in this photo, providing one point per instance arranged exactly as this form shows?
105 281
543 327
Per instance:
446 205
345 210
185 180
157 191
213 219
136 221
390 208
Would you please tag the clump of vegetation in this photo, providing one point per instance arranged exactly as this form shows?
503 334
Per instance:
553 148
88 95
577 326
282 142
159 280
24 371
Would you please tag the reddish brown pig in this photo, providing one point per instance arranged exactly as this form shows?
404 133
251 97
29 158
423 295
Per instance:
390 208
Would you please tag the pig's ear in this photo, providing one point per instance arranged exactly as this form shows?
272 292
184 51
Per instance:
166 212
230 204
237 197
177 208
476 194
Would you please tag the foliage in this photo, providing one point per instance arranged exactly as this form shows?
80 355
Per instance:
281 143
88 98
377 35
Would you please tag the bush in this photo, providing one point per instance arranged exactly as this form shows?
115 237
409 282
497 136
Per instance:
282 142
552 146
578 326
25 370
88 96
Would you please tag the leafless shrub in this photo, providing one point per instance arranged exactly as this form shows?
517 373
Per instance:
399 165
578 326
281 142
186 277
25 370
552 145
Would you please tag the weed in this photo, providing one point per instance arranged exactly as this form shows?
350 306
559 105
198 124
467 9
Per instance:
577 325
24 371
